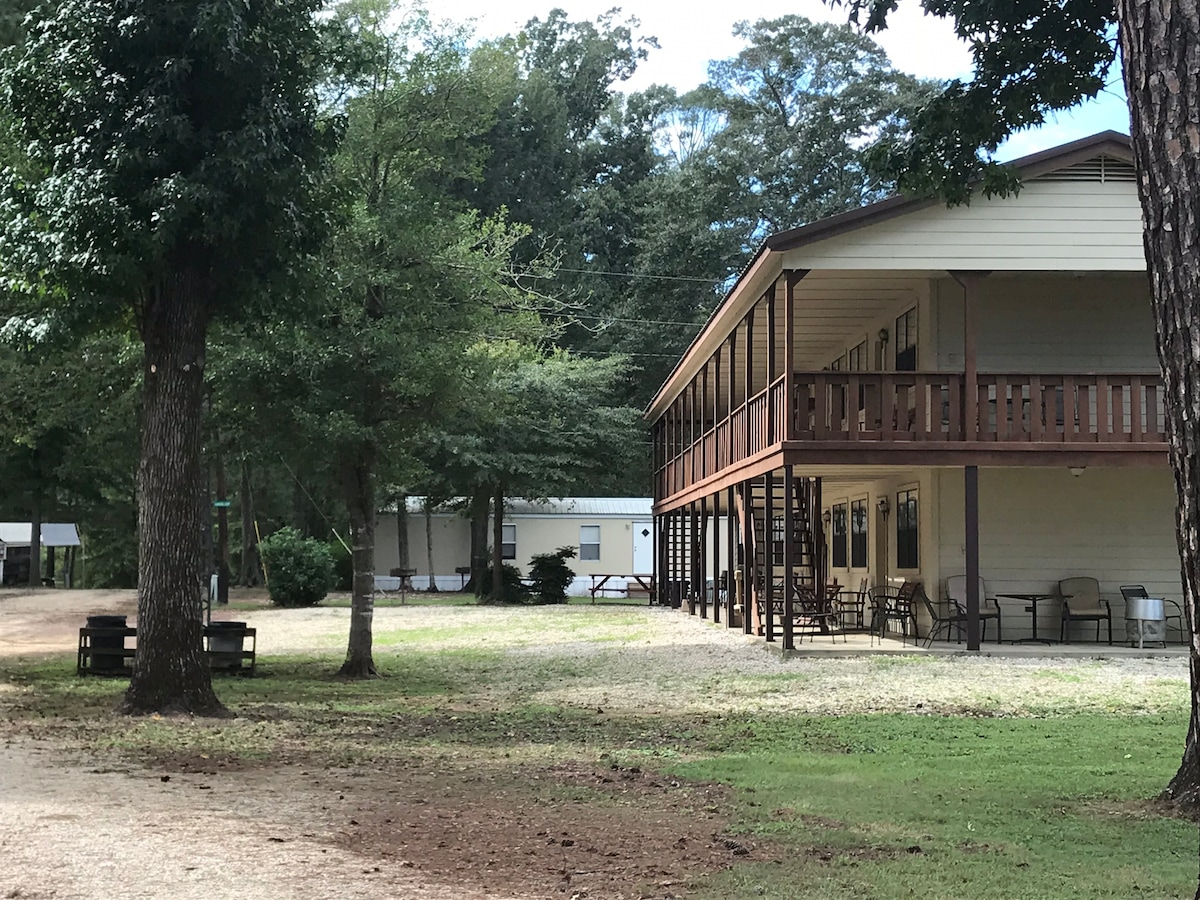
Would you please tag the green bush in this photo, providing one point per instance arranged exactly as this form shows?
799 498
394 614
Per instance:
343 566
514 591
300 570
550 576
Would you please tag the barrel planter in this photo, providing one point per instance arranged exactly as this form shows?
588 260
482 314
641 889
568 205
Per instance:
100 660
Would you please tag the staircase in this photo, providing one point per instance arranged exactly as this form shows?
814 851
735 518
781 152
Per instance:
807 544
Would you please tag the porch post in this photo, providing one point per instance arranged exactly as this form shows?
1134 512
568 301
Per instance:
748 377
702 556
791 279
768 608
772 364
789 561
731 567
970 285
821 562
693 557
717 557
971 489
704 461
731 439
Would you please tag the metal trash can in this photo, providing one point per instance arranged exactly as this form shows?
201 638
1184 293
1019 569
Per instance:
1145 620
100 660
225 641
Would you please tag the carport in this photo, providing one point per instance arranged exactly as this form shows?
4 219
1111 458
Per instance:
16 537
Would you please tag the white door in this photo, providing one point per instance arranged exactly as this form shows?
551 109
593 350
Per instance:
643 548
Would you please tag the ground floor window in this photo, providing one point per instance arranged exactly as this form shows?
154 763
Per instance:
906 530
508 542
589 542
858 534
839 536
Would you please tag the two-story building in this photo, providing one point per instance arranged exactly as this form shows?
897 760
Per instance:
913 391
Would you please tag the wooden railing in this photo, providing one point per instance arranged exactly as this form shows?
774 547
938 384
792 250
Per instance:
895 407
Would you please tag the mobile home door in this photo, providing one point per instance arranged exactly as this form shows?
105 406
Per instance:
643 547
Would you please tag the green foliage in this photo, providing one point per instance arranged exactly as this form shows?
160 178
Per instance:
514 590
169 134
300 570
1031 60
550 576
343 566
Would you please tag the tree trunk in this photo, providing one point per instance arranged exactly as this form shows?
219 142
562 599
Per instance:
429 543
480 502
222 535
497 545
1160 50
35 529
358 485
251 571
170 672
402 555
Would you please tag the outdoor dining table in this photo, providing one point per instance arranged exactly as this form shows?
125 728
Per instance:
1033 599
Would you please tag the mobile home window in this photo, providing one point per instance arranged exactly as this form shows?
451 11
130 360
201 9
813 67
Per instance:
858 534
589 542
508 541
906 530
839 535
906 342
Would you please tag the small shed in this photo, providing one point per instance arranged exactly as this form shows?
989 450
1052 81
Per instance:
16 537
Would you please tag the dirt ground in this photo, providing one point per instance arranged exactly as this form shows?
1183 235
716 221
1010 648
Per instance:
427 829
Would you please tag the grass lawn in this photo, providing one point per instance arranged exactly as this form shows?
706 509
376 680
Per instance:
886 805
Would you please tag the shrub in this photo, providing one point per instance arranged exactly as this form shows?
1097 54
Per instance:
514 591
300 570
550 576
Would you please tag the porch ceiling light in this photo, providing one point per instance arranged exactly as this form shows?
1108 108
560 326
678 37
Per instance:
1077 470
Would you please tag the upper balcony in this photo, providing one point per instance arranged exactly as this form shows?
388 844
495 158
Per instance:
917 418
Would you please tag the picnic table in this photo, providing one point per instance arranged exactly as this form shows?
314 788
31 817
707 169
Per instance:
600 585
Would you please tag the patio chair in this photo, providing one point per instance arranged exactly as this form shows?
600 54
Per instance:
889 604
851 607
989 607
812 616
1081 602
1170 607
943 616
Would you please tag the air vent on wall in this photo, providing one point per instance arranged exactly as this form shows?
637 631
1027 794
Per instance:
1101 168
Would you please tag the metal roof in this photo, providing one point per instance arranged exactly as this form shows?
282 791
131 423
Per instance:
54 534
621 507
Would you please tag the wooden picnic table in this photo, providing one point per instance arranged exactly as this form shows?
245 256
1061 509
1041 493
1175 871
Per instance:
601 586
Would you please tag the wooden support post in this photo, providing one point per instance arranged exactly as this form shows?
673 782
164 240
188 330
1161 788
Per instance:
820 558
701 552
970 282
768 608
772 434
750 596
731 566
716 559
971 489
789 555
731 454
748 378
792 278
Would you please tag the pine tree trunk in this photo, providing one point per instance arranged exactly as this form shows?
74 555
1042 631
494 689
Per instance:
1160 49
480 501
429 544
35 529
402 554
358 485
170 672
251 573
497 545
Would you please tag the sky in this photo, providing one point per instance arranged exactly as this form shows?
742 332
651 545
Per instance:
692 32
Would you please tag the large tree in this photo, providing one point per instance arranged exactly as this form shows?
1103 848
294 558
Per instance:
169 153
1031 60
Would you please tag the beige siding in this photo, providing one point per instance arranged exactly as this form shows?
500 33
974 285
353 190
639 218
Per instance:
1037 526
1051 324
451 544
1071 226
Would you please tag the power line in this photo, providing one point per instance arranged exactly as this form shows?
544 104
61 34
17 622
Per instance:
688 278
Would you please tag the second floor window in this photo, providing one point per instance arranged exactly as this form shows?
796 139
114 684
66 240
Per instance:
906 342
508 542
